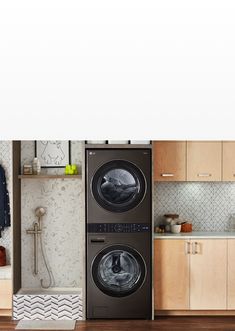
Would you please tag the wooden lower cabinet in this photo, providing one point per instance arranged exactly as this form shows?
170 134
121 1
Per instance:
231 274
191 274
171 274
5 295
208 274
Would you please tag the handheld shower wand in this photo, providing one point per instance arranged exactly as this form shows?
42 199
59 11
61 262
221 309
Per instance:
37 232
39 212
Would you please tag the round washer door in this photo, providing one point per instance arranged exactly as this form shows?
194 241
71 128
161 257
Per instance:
118 186
118 270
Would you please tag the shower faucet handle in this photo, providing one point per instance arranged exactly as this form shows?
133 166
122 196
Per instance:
40 211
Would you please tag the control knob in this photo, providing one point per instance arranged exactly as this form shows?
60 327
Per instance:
118 228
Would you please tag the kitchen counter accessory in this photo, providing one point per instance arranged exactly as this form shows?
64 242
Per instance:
186 227
175 228
169 220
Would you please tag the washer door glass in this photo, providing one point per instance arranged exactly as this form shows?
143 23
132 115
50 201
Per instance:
118 186
118 271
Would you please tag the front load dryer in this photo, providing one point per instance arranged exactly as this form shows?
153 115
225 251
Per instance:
118 185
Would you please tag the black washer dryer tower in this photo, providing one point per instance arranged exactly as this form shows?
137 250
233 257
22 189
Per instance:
118 241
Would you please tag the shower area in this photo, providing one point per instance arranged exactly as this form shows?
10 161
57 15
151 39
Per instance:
48 240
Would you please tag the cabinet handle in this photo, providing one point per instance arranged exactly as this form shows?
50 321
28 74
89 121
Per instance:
204 175
188 247
193 250
167 175
196 247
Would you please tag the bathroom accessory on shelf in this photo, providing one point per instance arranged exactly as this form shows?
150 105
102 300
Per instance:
37 232
71 169
36 166
27 169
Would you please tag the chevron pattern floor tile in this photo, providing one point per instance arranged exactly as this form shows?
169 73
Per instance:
47 307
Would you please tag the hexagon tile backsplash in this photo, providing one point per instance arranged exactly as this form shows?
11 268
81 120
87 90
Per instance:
208 205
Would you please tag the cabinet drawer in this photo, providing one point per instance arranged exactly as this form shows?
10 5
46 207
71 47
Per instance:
5 294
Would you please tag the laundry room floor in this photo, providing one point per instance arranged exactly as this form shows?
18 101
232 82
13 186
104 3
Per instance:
160 324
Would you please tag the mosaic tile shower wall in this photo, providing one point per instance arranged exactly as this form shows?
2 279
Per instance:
63 224
208 205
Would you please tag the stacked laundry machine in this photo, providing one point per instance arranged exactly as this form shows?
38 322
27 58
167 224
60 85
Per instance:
118 233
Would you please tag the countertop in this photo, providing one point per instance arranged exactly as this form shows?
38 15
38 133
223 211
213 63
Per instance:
5 272
195 234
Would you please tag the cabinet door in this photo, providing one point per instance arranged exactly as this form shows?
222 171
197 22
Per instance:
231 274
208 274
169 160
204 160
171 274
5 294
228 161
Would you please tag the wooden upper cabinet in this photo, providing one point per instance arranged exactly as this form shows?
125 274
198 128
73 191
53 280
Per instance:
171 274
208 274
169 160
228 172
204 160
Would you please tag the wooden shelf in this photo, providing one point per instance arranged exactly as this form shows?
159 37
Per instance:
50 176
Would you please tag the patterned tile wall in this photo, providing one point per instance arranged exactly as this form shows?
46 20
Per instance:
208 205
63 225
6 162
48 307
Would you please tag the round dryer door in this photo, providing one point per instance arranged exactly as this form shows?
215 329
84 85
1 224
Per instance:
118 271
118 186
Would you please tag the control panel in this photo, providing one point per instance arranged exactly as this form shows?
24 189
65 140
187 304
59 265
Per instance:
118 227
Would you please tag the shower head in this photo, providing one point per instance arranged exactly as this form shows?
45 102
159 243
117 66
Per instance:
40 211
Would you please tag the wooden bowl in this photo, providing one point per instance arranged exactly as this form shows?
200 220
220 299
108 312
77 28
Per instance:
186 227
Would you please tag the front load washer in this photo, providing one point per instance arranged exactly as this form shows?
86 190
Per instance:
118 185
119 271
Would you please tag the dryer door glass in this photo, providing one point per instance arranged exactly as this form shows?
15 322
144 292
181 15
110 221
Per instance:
118 186
118 272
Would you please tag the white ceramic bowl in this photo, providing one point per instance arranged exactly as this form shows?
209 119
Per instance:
175 228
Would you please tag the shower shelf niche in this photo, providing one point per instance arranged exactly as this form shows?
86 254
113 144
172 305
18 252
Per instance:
50 176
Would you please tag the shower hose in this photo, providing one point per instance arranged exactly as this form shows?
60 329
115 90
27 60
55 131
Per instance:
50 273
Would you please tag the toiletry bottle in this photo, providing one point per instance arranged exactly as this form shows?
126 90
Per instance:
36 166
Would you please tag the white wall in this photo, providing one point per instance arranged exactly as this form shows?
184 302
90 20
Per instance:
63 225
